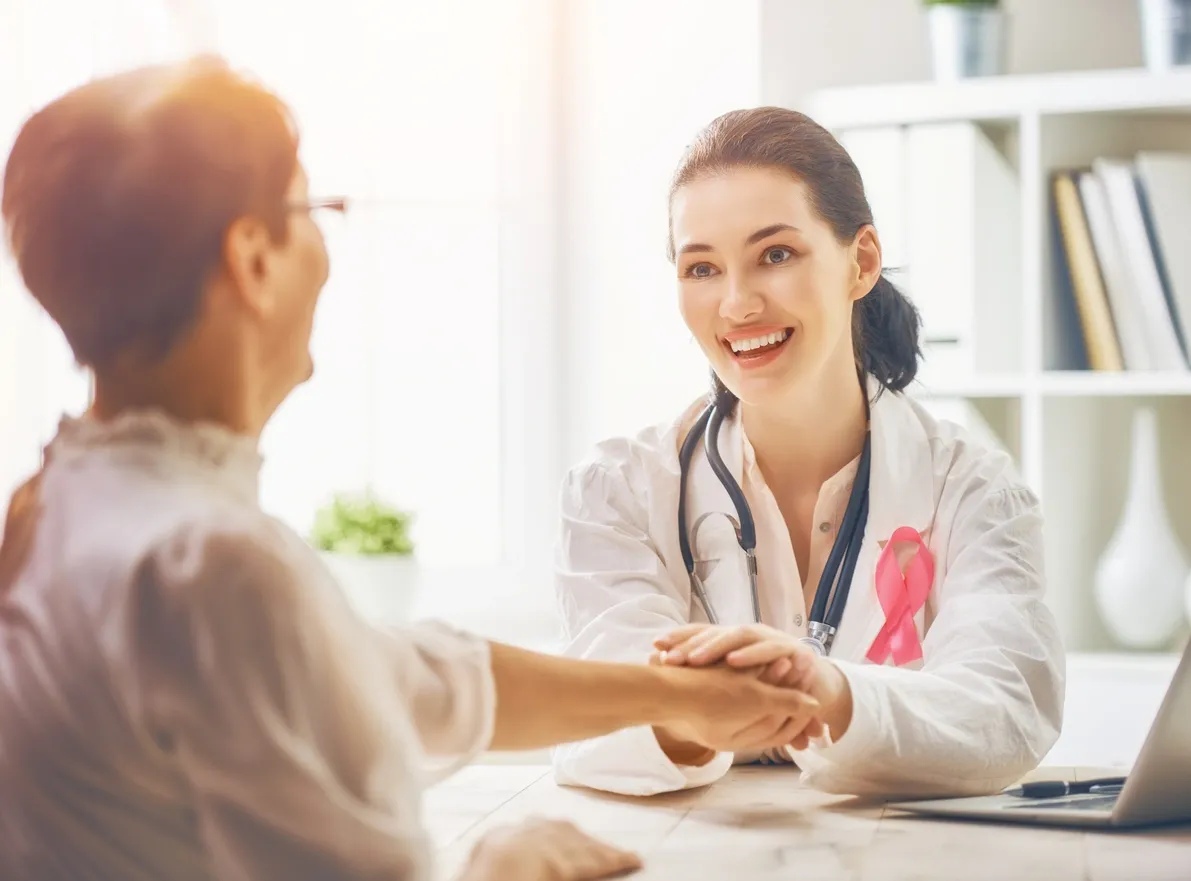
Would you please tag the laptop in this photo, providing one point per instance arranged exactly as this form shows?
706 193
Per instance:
1156 791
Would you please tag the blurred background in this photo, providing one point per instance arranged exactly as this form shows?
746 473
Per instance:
500 297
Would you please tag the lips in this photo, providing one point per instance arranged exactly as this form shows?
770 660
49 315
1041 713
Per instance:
759 343
754 347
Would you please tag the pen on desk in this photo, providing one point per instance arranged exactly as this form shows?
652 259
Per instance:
1056 788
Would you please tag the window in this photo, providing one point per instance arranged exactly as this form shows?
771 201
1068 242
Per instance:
47 47
398 106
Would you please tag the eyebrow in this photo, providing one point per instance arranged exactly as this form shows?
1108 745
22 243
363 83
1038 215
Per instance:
763 233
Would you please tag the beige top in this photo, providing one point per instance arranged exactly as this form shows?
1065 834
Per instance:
186 694
778 575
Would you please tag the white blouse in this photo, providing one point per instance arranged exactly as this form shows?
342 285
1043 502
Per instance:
186 694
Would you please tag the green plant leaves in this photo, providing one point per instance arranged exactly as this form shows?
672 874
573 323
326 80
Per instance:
362 525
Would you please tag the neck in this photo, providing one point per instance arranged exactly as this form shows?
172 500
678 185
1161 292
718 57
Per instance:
809 437
213 393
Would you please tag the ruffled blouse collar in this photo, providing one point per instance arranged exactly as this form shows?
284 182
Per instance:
230 458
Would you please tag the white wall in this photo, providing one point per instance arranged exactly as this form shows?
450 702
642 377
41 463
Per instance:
47 47
640 80
813 44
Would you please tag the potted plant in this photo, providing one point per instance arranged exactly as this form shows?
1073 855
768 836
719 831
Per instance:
1166 33
968 38
366 544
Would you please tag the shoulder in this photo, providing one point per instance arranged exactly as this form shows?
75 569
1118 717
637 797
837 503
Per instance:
225 593
978 487
633 461
108 525
224 559
965 457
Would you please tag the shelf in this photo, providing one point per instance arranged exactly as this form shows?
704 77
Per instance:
1003 98
1058 383
993 386
1140 384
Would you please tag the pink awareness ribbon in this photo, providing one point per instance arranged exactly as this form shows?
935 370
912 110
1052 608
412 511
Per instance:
901 596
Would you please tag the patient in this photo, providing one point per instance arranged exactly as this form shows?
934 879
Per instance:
184 691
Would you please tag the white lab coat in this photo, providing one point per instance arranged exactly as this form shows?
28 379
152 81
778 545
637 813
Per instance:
981 708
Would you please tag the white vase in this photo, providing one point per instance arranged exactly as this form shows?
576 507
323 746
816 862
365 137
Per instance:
1140 578
381 587
1188 599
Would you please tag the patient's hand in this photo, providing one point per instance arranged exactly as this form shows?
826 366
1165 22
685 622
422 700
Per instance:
546 850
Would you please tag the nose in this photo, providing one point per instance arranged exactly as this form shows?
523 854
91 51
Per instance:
741 301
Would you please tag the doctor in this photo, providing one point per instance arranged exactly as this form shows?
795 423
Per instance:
808 515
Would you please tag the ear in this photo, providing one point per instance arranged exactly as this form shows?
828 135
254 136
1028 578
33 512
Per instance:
866 261
247 249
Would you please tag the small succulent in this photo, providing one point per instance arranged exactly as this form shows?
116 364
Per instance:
362 524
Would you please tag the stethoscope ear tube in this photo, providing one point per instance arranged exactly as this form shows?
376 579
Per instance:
748 528
684 461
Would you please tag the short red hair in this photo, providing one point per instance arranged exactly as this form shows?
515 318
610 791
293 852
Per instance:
117 197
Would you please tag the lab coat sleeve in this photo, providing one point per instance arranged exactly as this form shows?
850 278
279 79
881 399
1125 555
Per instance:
300 731
616 598
986 705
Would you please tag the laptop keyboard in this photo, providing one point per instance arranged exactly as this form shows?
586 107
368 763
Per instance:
1073 803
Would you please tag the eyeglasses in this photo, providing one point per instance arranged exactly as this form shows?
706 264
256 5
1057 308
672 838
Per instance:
338 204
333 209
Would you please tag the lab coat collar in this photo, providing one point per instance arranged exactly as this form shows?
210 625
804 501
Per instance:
901 483
901 493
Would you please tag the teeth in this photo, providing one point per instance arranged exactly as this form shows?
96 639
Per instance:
759 342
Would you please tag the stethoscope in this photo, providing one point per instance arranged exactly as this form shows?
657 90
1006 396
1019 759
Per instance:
832 594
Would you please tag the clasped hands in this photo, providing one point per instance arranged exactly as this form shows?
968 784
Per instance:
761 652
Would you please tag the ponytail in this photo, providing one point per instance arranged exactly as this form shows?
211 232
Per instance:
885 328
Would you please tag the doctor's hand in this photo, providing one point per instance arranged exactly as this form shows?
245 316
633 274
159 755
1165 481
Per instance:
782 658
734 710
546 850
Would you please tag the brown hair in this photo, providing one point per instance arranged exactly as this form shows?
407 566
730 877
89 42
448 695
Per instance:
117 197
885 323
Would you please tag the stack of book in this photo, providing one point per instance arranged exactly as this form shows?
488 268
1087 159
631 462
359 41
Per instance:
1123 231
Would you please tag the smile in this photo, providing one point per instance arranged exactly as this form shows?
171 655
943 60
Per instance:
761 346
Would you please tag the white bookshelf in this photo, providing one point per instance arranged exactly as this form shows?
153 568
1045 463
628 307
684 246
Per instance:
1068 428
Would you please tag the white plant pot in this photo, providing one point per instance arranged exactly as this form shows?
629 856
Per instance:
381 587
1140 579
1166 33
1188 609
967 41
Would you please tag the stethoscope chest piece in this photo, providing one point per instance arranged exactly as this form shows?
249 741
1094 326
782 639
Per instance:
819 637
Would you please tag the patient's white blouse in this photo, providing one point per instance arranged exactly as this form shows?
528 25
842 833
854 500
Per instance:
185 693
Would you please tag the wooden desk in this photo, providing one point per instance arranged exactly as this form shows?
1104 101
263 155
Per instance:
760 823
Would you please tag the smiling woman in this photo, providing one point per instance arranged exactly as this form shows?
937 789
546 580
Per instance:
860 549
